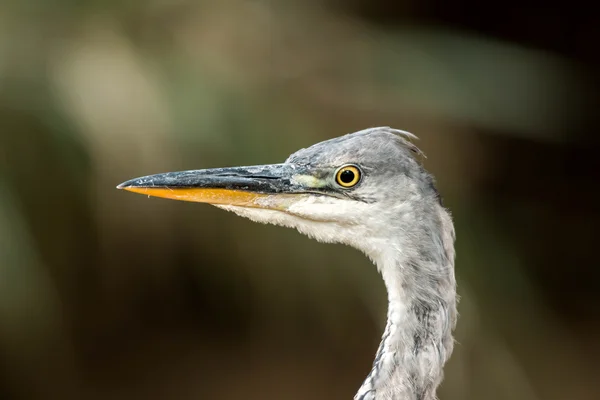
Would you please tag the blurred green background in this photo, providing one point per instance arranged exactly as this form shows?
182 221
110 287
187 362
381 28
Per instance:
105 294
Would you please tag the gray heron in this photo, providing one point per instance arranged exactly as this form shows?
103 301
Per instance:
368 190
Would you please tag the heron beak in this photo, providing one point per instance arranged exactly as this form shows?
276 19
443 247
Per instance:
262 186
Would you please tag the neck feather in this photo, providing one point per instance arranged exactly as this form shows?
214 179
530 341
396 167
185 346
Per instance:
417 341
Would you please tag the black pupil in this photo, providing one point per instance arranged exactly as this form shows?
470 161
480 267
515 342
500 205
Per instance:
347 176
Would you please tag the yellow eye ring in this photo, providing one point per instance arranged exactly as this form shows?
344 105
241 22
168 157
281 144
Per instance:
347 176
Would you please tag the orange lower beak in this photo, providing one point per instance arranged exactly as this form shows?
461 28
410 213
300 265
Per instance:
202 195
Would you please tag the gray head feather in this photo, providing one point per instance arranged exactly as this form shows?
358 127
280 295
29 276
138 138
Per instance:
385 155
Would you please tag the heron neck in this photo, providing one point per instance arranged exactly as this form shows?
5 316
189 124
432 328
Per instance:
417 340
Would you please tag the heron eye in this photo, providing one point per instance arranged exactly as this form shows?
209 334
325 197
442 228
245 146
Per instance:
347 176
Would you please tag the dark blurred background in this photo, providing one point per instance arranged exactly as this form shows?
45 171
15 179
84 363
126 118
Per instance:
106 294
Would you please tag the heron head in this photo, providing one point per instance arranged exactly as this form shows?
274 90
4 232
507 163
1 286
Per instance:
342 190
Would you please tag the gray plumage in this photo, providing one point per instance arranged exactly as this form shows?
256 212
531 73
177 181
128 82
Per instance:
393 215
403 227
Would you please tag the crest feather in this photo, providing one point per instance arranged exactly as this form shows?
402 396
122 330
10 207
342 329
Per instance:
404 137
